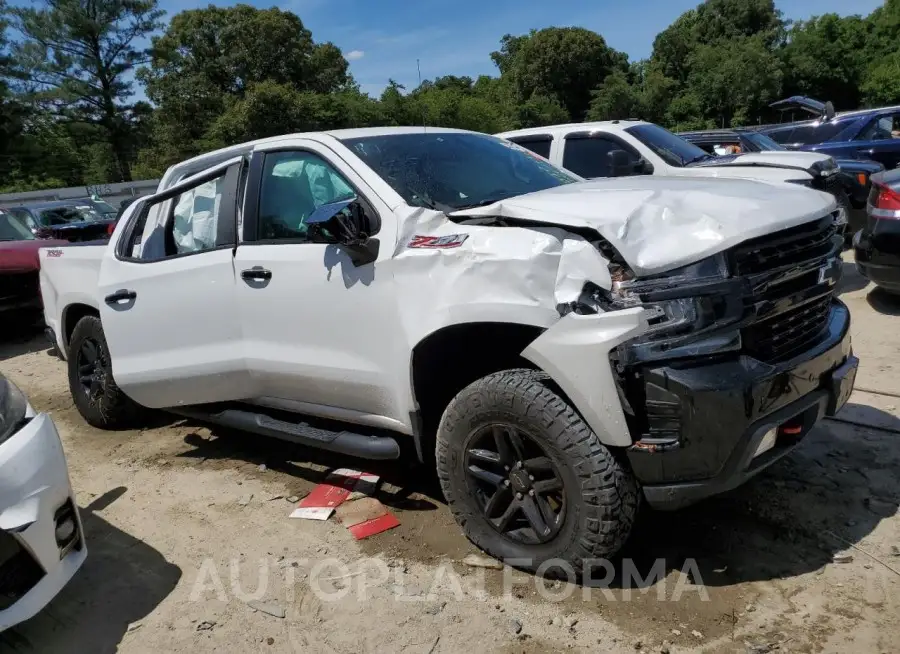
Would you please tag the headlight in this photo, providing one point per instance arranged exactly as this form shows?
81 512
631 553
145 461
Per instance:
13 407
681 306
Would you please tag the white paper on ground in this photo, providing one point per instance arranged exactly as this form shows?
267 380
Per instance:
313 512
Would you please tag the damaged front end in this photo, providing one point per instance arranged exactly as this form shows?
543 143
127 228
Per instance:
733 348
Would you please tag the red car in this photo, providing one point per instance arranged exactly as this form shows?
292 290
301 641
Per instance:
19 266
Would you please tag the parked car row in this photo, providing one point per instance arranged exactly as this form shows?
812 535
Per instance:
82 219
561 350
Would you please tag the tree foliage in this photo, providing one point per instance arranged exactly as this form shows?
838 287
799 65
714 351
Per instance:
215 76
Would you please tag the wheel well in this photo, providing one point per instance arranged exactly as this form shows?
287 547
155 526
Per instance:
451 358
72 315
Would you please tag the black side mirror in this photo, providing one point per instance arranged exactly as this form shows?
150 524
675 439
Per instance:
622 164
348 223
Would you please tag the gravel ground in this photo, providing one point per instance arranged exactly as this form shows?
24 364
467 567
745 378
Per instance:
187 526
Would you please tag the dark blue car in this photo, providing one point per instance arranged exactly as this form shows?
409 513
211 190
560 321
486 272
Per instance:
78 220
865 134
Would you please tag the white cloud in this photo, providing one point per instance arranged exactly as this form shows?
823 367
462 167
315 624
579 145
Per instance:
355 55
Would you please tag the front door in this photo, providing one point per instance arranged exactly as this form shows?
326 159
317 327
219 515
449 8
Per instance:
167 296
321 333
880 140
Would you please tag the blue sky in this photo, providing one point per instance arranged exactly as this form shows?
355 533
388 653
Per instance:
383 38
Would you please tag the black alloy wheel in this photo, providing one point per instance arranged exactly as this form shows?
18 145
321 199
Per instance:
92 361
516 484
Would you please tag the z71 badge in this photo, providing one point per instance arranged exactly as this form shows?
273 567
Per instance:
54 253
437 242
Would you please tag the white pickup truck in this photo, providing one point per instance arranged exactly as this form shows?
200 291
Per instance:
618 148
558 348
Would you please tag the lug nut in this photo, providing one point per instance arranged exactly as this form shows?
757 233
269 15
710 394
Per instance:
518 496
506 482
531 477
531 492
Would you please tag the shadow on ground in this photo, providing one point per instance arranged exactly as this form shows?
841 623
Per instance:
20 336
883 302
842 479
851 280
122 581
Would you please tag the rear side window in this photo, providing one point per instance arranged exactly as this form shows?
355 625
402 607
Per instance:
539 144
589 158
806 134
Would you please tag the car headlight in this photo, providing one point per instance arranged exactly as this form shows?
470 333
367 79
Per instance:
682 306
13 407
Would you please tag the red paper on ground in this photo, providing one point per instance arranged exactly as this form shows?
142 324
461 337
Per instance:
337 488
374 526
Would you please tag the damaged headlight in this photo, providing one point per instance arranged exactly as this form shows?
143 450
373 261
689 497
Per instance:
683 306
13 407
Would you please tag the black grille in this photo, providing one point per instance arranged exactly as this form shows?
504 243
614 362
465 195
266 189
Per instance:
777 338
19 572
15 287
789 247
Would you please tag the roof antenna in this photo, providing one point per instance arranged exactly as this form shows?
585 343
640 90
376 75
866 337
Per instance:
419 69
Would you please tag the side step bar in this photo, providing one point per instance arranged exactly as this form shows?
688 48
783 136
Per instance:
343 442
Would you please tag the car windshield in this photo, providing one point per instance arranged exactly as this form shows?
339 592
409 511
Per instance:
11 229
670 147
448 171
763 142
66 215
104 208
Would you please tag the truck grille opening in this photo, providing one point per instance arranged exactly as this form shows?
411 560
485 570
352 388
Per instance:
19 571
777 338
792 246
785 269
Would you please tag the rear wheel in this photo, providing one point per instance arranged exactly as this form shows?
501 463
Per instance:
527 479
95 393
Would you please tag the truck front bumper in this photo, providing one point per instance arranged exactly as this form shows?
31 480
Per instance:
736 416
41 537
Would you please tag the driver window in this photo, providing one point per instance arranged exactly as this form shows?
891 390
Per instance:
294 185
883 127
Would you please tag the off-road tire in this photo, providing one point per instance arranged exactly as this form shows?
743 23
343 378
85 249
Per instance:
112 409
601 492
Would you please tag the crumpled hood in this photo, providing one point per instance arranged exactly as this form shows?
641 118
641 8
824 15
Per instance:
800 160
661 223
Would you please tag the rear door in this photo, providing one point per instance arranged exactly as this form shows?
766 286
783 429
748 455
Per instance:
167 299
587 154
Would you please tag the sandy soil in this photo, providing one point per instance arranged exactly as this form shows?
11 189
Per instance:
186 525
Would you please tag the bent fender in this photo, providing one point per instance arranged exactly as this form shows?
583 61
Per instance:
575 353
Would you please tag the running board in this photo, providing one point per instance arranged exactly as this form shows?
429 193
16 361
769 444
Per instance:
343 442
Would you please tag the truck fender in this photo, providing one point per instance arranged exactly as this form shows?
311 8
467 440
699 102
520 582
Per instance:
575 353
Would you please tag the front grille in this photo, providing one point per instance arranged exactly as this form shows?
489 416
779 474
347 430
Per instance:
19 571
776 339
16 287
792 246
789 295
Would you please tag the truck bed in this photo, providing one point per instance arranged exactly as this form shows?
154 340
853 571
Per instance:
69 276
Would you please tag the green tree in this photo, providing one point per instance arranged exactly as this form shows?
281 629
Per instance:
882 83
75 60
825 58
210 60
734 80
616 98
562 63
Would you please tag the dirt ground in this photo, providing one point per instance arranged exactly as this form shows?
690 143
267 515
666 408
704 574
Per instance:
186 525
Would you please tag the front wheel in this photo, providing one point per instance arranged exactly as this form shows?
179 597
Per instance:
527 479
95 393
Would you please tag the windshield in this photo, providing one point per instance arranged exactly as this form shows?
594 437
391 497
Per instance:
104 208
11 229
671 148
763 142
448 171
66 215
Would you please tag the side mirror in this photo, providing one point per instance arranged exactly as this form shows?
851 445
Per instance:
622 164
348 223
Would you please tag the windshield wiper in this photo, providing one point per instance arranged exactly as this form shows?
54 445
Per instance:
481 203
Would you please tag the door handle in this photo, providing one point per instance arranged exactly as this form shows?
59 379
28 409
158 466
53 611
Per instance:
119 296
256 274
